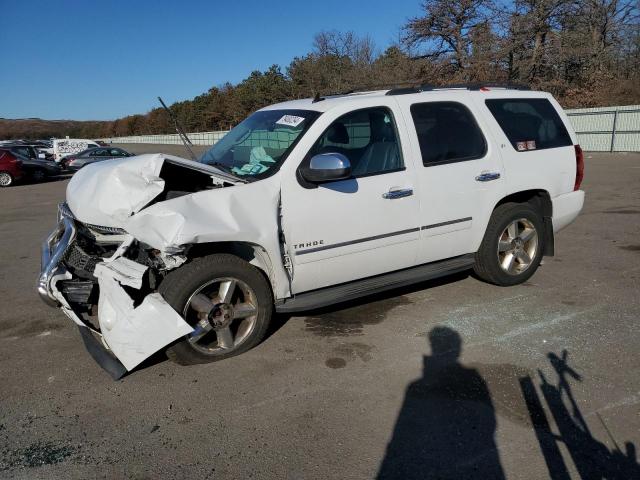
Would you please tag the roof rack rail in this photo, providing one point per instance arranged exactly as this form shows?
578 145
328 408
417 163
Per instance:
455 86
365 88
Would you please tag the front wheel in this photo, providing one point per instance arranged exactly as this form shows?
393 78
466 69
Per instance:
512 246
226 300
6 180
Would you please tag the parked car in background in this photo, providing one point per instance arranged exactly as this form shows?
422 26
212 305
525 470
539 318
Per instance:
38 169
10 168
63 147
92 155
29 150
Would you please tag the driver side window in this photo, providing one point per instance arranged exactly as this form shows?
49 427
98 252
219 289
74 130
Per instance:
367 137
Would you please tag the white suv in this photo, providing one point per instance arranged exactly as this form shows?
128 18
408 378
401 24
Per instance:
305 204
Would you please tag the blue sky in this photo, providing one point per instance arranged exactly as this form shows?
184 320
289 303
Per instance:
101 60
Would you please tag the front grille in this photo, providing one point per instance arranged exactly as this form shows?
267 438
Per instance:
77 259
65 211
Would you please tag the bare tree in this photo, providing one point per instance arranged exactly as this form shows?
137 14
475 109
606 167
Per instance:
360 50
445 29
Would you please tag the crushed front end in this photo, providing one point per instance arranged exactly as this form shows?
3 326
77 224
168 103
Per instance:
105 281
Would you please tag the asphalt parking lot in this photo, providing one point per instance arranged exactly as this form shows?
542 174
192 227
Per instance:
546 383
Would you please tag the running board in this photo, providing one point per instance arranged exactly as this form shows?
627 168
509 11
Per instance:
367 286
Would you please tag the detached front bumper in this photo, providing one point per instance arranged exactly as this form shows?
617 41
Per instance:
128 333
52 253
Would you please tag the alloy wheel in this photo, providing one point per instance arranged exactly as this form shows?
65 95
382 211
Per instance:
5 179
517 246
223 313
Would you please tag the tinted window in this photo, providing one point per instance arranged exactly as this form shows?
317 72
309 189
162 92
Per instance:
530 123
447 132
116 152
367 137
101 152
25 151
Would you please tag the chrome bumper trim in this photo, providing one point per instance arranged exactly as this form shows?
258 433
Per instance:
53 250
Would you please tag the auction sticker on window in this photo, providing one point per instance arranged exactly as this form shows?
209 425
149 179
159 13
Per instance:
290 120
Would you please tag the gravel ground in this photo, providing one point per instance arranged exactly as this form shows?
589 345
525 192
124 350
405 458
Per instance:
529 382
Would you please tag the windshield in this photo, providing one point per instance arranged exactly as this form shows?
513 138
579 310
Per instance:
257 146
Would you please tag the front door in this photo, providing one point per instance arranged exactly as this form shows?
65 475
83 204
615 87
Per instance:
367 225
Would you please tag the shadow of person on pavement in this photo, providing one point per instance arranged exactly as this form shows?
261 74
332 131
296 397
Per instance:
446 427
592 458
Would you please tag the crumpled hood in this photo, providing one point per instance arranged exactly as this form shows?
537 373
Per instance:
108 193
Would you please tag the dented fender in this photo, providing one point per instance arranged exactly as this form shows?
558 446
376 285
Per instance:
120 193
244 213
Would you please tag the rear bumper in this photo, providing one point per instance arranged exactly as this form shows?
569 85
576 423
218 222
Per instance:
566 208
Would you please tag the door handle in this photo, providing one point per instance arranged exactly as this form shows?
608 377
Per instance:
398 193
487 176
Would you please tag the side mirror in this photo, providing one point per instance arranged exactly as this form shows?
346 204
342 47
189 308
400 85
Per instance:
327 167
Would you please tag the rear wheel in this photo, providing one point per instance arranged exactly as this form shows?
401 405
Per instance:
227 301
512 247
6 179
38 175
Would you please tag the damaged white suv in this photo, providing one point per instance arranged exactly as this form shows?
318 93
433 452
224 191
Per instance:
305 204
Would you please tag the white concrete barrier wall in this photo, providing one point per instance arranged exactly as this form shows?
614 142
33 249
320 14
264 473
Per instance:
603 129
197 138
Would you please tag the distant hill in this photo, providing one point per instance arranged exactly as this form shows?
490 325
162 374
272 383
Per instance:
32 128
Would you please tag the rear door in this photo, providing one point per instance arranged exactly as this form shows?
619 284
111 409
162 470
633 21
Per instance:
459 172
350 229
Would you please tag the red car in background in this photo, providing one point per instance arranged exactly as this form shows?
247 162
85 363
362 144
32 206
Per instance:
10 168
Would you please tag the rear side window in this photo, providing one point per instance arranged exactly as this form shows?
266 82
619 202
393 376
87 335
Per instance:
447 133
530 123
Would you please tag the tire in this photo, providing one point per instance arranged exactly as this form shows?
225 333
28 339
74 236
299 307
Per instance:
503 259
6 179
196 291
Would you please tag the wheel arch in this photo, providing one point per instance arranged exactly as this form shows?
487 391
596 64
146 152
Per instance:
541 200
252 253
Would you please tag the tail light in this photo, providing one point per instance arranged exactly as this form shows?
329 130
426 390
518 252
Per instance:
579 167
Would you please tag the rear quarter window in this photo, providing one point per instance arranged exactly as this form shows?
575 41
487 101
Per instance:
529 123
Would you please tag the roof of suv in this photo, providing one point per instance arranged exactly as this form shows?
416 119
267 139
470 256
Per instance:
322 104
